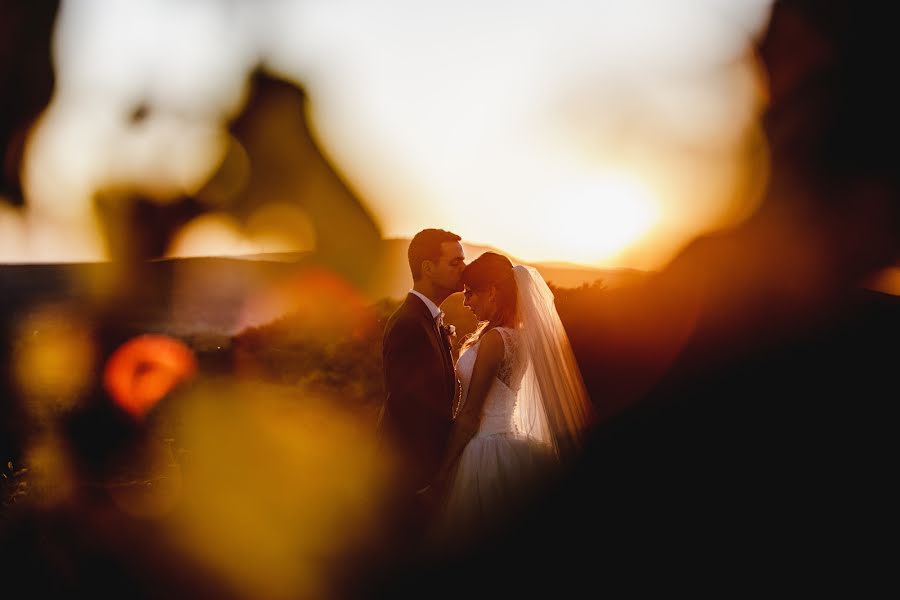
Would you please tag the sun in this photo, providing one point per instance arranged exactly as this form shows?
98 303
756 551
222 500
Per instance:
596 218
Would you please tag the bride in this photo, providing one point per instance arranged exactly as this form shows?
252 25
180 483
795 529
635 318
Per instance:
523 409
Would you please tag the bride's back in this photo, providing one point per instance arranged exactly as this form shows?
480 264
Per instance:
499 406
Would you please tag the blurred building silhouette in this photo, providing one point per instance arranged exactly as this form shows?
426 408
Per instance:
83 540
26 78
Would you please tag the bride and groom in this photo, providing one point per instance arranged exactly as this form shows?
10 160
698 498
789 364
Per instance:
475 437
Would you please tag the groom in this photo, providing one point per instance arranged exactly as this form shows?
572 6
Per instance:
419 375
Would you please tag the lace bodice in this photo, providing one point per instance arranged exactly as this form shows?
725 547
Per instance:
499 406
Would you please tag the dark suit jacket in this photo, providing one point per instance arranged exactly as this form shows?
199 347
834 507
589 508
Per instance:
421 386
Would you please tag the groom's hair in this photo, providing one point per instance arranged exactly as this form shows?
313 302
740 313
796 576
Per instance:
426 245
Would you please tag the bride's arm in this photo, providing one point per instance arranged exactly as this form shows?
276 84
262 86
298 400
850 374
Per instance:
487 363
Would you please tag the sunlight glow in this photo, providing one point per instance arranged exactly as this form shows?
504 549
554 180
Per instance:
451 116
595 219
208 235
275 227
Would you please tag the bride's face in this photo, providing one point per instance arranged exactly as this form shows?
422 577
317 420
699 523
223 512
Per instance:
480 302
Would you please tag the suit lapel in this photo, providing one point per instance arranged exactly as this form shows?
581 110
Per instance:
422 313
440 344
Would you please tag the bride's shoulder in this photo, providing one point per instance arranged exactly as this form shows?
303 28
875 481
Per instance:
511 337
508 332
493 333
491 343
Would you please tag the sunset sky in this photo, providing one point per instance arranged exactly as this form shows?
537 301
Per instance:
601 132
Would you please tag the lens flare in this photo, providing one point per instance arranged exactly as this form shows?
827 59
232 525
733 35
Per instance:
142 371
53 360
321 302
279 484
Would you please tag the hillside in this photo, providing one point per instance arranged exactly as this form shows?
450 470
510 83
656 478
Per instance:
191 296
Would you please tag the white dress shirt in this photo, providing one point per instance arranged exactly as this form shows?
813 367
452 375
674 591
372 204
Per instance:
435 311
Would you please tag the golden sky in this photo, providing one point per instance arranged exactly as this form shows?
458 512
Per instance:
601 132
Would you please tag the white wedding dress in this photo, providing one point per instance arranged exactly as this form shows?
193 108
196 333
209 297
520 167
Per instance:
500 465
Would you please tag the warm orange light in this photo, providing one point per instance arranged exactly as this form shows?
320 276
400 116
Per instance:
309 486
53 359
594 219
319 300
146 368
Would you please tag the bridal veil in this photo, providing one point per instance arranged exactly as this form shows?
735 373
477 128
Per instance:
553 405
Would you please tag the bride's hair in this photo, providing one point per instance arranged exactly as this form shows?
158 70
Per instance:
492 270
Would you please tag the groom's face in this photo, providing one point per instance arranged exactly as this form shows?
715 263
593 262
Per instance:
447 271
